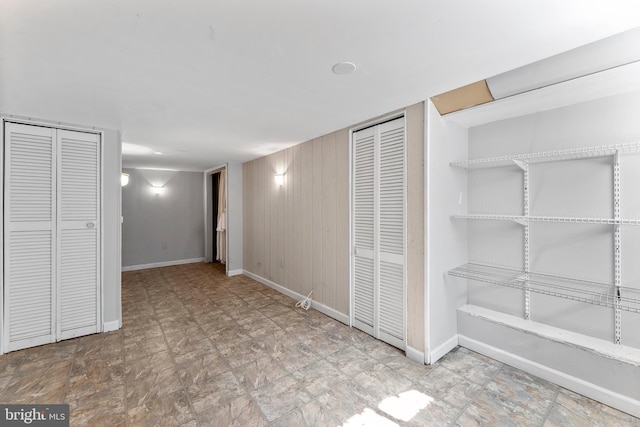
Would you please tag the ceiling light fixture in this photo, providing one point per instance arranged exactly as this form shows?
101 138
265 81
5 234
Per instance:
157 152
342 68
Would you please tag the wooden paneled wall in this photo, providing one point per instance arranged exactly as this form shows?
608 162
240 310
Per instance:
297 234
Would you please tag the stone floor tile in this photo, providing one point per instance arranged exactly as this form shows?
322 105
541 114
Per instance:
237 412
280 397
311 414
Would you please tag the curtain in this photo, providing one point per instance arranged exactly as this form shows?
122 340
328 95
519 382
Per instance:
221 229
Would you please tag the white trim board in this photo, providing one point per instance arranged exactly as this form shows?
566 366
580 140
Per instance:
341 317
594 368
441 350
414 354
114 325
237 272
161 264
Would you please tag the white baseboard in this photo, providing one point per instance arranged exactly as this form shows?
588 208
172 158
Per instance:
162 264
443 349
415 355
341 317
114 325
231 273
578 385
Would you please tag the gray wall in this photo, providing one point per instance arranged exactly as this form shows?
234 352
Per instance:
581 188
175 217
234 217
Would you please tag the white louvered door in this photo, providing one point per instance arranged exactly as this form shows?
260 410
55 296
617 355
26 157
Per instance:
29 236
52 237
364 208
379 231
78 229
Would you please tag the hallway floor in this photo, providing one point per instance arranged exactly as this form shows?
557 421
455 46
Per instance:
198 348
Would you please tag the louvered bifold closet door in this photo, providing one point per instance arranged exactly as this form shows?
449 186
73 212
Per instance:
363 230
391 238
29 236
79 233
378 271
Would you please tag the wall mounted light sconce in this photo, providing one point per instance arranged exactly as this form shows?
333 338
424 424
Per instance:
124 179
279 177
157 189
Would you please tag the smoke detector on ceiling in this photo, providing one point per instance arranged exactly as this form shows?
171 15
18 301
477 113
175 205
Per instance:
342 68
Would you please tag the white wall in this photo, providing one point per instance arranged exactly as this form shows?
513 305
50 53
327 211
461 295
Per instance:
446 239
112 210
175 217
581 188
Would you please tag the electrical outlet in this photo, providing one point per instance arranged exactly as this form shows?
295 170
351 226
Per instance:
164 245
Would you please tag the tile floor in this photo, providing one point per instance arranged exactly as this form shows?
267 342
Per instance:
200 349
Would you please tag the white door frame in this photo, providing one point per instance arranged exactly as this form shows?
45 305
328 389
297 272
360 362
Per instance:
208 229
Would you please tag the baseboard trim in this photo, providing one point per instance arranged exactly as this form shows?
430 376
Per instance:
232 273
161 264
340 317
415 355
593 391
443 349
114 325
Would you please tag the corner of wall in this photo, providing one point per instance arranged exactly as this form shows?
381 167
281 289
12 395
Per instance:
446 241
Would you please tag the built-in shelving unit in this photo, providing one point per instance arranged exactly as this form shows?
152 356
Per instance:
613 295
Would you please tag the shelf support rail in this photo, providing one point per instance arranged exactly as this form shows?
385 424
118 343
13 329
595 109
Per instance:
524 165
616 248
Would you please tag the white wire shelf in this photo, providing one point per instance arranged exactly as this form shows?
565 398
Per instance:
596 293
523 219
550 156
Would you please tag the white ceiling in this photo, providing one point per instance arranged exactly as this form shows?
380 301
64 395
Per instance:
207 82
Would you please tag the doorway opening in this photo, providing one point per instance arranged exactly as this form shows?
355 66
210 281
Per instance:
215 195
215 223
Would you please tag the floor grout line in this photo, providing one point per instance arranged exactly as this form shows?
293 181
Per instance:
482 389
550 408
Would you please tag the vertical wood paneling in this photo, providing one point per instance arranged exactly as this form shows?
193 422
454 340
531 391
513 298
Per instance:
342 221
281 204
289 215
296 258
306 217
415 226
261 216
316 225
246 219
329 220
272 240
